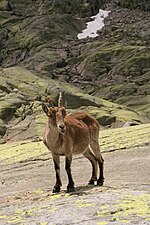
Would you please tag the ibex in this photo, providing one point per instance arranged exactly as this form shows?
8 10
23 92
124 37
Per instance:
66 135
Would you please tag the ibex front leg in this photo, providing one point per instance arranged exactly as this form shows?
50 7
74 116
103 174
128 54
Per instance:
58 184
70 186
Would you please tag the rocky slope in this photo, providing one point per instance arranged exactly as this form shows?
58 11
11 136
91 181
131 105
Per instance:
38 44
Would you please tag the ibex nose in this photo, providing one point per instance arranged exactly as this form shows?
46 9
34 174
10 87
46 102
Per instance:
62 127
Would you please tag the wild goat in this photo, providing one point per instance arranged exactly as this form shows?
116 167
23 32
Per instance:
66 135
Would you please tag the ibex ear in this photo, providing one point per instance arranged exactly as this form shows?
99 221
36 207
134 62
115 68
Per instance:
45 108
50 101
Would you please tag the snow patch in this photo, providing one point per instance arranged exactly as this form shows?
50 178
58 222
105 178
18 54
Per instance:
93 26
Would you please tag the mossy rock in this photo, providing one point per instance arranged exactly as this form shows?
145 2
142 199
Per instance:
114 114
127 68
28 84
145 89
2 127
116 91
116 59
25 129
3 4
139 103
103 115
143 79
132 4
76 7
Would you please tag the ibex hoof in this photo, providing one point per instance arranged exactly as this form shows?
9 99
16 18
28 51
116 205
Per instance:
70 189
100 182
91 182
56 189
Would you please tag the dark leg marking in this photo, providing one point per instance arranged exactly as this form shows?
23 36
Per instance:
100 181
96 149
58 184
70 186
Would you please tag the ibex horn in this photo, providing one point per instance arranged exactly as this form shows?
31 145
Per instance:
60 100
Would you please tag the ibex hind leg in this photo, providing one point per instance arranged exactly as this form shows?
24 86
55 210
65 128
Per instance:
96 150
89 155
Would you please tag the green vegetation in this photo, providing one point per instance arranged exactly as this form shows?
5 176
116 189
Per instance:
127 66
142 4
118 56
77 7
126 207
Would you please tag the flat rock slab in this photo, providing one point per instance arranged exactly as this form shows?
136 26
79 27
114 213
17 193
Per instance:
26 197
